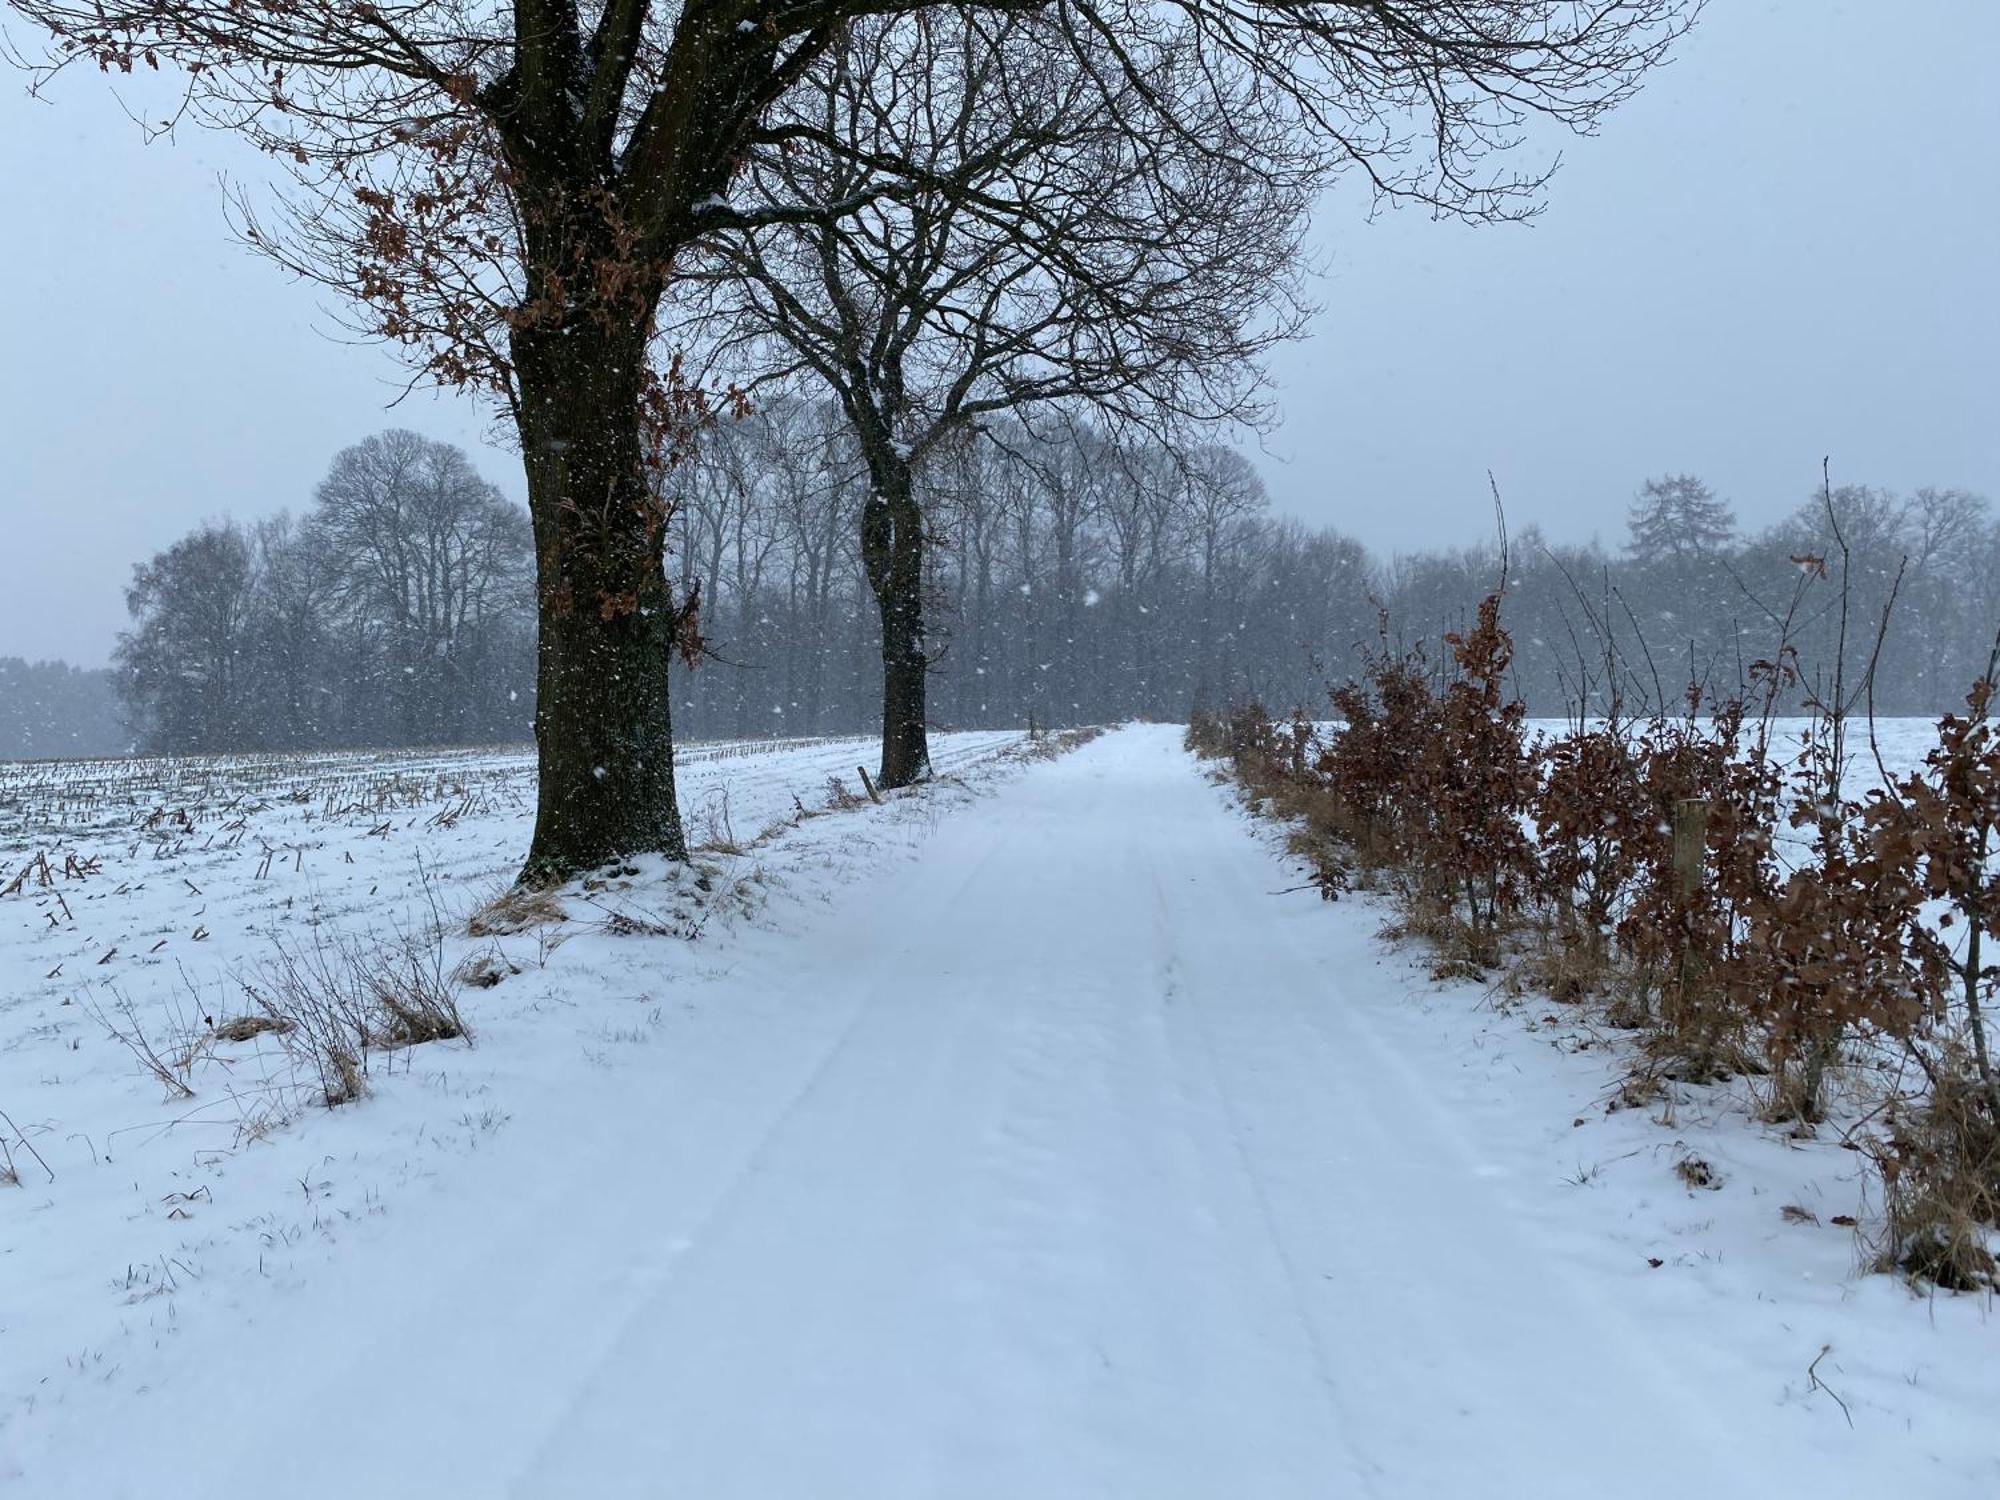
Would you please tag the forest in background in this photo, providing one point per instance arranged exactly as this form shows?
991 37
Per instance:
1077 576
50 709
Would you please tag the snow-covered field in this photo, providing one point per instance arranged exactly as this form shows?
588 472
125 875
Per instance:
1903 741
1020 1138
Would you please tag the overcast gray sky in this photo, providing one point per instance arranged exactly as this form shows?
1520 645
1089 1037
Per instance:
1785 247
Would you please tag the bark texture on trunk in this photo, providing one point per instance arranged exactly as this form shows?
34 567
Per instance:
892 549
603 720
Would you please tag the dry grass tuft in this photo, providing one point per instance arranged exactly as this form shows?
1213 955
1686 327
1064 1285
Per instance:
1566 960
339 998
1448 970
248 1028
12 1137
1695 1172
715 830
1700 1057
516 909
483 970
1044 746
1939 1163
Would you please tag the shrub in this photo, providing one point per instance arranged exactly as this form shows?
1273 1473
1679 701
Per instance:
1946 817
1833 952
1434 784
1703 854
1649 854
339 998
1589 817
1939 1165
1479 780
1373 763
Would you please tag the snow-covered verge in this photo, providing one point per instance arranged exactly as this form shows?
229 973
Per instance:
1683 1194
139 897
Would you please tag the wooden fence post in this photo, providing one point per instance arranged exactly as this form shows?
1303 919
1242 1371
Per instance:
1690 845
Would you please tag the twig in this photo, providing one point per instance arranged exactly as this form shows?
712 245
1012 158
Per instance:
26 1145
1812 1373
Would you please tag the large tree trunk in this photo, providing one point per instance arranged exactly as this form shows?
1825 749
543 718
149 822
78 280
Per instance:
603 725
892 548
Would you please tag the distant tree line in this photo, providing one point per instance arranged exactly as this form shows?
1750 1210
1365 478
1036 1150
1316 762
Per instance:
396 610
1690 599
1073 578
1080 578
1075 575
51 710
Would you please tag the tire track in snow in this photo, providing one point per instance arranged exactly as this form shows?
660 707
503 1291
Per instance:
1368 1470
1453 1326
684 1259
999 1249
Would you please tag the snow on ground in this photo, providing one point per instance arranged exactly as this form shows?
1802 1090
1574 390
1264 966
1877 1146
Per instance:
167 881
1025 1141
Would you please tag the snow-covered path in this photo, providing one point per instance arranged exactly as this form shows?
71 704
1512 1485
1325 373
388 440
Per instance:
1082 1202
1064 1161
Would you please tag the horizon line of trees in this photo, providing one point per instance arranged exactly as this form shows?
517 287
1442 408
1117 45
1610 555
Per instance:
397 610
1082 578
1074 577
51 710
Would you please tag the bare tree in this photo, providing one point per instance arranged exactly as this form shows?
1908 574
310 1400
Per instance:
1138 511
291 627
1075 469
181 666
1064 245
964 479
509 190
1221 493
816 491
732 520
426 556
396 610
49 708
